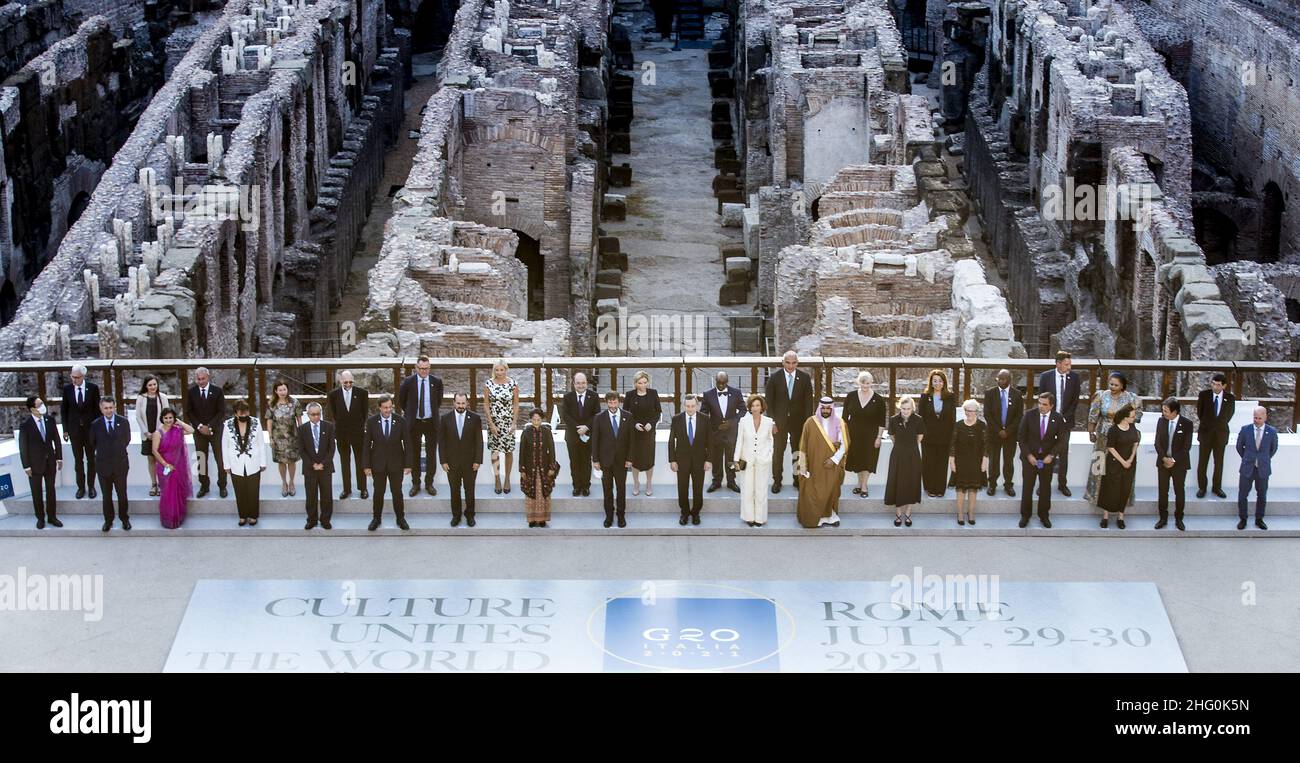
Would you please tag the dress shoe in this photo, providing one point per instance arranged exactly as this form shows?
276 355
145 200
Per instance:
682 520
1010 491
575 493
1260 524
54 522
610 523
345 495
622 522
1065 491
364 495
202 492
733 487
430 489
541 524
221 491
414 491
695 520
586 491
91 493
1024 523
1105 522
1219 492
714 488
109 525
326 526
1241 524
1119 523
1179 524
40 523
532 524
1161 524
309 526
401 522
776 489
1046 523
1200 493
374 525
993 490
455 521
837 524
81 493
470 521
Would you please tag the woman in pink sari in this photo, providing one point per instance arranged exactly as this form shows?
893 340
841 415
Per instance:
173 468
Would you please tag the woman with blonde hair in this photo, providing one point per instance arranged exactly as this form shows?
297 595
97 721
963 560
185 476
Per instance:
903 484
865 413
642 404
501 397
968 460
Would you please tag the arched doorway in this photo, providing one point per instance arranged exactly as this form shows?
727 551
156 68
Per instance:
431 25
1217 235
1270 224
529 252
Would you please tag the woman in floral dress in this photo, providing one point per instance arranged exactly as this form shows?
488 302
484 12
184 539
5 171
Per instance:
283 415
501 395
1101 416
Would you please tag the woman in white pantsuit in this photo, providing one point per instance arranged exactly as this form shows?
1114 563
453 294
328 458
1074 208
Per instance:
754 447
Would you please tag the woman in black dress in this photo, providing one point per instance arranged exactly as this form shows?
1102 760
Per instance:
642 404
903 484
1121 457
968 460
865 413
938 409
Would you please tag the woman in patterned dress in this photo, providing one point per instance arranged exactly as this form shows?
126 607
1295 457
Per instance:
1101 416
283 415
537 469
501 397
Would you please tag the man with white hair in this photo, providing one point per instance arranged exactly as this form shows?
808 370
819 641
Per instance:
80 408
349 409
824 443
205 410
1256 444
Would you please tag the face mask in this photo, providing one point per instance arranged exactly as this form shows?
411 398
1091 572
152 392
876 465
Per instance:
243 419
41 409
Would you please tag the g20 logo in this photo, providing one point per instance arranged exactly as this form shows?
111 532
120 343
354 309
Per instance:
717 635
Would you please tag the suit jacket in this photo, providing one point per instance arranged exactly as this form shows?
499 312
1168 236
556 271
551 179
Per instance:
993 410
241 463
938 426
110 450
408 398
310 454
789 412
574 416
1031 443
1261 457
385 454
606 449
36 454
78 418
1182 441
687 455
349 421
1066 407
735 410
1211 424
463 450
211 411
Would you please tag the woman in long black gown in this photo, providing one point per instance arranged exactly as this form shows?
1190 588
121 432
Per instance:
865 413
968 460
939 410
903 484
1121 458
642 404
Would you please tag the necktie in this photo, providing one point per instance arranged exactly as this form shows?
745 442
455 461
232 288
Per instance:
1216 405
315 435
1060 392
460 425
420 396
690 429
109 422
347 399
1259 437
1004 407
40 424
789 386
1169 446
613 420
205 393
386 427
1042 427
80 399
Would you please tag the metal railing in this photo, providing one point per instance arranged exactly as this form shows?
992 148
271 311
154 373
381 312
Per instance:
312 378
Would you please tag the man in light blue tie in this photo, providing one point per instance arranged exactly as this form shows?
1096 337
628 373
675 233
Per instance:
789 396
1256 444
316 443
688 456
1003 408
420 399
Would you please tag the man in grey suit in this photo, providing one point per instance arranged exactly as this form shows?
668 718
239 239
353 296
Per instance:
1256 444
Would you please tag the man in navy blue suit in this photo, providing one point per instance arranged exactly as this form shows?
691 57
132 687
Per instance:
1064 384
1040 439
724 406
109 437
1256 444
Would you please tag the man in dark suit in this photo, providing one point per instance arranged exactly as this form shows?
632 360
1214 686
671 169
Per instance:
420 398
349 408
80 408
789 394
579 407
1173 459
725 406
611 440
316 443
109 437
1256 444
385 459
689 446
1214 409
1064 385
460 443
41 454
1040 439
1003 408
205 410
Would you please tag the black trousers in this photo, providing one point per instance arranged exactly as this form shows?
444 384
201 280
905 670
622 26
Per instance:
614 484
1002 452
393 481
108 483
1061 464
1214 444
934 466
690 481
1179 478
320 493
83 457
202 443
720 451
427 429
43 500
461 477
782 436
1043 477
248 501
579 463
350 443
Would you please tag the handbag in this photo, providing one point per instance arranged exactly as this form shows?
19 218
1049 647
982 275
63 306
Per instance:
738 466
